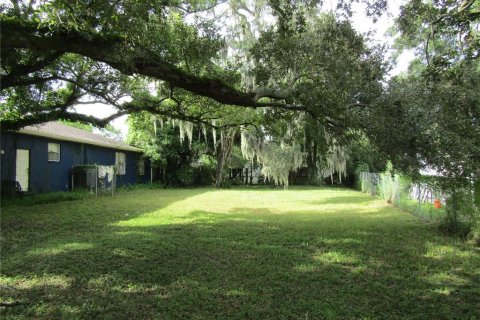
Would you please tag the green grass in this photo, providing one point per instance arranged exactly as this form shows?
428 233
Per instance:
44 198
242 254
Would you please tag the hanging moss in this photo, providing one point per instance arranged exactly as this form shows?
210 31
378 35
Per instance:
336 159
277 160
214 133
204 131
186 130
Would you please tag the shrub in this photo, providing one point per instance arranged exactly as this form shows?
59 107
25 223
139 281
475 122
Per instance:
461 214
184 176
225 184
474 235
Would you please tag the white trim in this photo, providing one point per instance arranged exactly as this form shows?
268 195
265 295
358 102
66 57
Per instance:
22 168
59 151
79 140
141 161
121 163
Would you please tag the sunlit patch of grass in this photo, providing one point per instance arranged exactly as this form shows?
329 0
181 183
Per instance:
316 253
43 282
74 246
443 291
335 257
446 278
444 251
306 267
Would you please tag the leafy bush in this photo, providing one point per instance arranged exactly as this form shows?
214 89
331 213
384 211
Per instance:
225 184
205 172
461 214
474 235
184 176
237 181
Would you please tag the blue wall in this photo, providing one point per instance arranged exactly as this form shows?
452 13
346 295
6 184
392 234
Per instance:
56 176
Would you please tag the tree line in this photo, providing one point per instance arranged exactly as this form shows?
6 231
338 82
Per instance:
286 73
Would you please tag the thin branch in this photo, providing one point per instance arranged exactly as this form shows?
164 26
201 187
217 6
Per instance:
16 7
24 69
280 105
102 95
466 4
190 11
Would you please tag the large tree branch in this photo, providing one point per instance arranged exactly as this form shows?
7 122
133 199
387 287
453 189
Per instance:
52 116
24 69
128 59
60 111
20 82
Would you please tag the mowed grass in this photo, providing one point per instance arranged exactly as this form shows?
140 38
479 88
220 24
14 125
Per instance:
303 253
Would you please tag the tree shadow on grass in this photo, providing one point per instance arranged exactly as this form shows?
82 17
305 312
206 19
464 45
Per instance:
249 263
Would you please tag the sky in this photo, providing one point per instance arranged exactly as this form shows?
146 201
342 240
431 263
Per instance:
359 21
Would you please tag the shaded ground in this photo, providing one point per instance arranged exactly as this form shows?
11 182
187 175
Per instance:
200 254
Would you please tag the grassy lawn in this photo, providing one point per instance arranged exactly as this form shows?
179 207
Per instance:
243 254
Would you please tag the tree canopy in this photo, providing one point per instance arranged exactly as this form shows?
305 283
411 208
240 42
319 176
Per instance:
301 75
74 49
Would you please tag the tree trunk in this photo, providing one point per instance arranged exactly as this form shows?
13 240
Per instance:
224 150
219 168
312 169
311 149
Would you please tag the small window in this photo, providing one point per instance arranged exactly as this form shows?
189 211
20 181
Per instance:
141 167
120 162
54 152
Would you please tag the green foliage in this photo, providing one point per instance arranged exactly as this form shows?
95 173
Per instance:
396 189
160 140
184 176
433 111
183 164
476 192
327 68
303 60
225 184
444 32
431 123
42 85
474 234
462 215
237 160
79 125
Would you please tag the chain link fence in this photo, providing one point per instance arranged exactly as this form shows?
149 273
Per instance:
417 198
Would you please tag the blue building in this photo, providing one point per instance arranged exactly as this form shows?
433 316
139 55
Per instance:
41 157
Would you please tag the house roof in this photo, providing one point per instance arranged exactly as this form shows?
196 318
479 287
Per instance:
59 131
